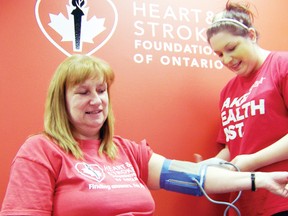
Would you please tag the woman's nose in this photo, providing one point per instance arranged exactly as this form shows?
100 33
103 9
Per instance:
95 98
226 59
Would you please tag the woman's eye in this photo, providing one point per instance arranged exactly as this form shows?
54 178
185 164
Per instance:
83 92
102 90
230 49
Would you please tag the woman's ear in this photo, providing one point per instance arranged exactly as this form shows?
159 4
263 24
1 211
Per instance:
252 35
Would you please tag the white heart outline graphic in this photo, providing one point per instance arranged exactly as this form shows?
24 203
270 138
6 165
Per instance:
63 50
91 168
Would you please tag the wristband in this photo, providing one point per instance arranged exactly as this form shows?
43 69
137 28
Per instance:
253 186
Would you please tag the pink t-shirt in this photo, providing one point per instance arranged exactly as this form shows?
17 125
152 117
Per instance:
254 115
47 181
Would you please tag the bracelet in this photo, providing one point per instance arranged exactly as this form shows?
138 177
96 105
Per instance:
253 186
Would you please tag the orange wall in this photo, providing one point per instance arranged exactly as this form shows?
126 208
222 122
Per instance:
173 107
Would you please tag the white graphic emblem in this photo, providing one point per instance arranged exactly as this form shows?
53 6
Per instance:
77 26
91 171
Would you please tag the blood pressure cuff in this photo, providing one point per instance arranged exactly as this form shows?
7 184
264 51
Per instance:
179 176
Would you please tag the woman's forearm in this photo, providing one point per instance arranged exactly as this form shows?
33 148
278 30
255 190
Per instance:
274 153
224 154
220 180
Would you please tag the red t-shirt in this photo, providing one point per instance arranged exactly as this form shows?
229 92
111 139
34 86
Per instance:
254 115
47 181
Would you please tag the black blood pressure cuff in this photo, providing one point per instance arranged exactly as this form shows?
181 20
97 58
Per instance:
179 176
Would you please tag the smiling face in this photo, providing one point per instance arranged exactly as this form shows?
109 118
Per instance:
87 106
237 53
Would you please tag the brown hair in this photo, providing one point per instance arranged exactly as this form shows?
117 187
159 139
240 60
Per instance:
74 70
239 12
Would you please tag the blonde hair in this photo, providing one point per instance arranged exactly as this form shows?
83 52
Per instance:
72 71
236 19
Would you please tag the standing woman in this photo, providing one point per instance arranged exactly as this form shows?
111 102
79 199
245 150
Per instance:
253 105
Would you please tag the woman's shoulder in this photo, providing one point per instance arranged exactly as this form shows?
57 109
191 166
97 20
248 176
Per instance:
278 64
125 143
279 56
39 149
131 145
38 140
119 140
39 145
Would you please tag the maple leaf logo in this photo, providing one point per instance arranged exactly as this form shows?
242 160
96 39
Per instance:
72 25
77 24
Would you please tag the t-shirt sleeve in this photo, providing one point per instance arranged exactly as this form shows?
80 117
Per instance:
139 155
145 153
284 80
31 184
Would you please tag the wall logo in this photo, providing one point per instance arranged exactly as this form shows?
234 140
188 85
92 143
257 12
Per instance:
92 171
77 26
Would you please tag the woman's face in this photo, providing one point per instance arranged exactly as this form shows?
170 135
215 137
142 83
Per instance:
87 107
236 52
